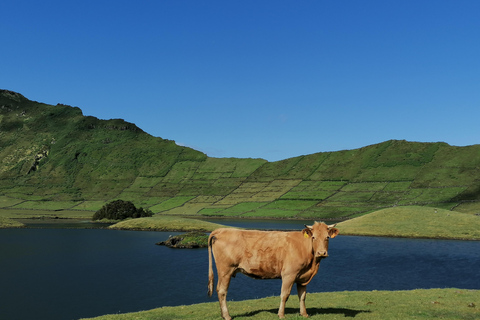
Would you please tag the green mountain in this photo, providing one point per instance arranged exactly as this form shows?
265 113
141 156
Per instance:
55 158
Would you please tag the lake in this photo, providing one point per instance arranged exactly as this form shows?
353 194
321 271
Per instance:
73 273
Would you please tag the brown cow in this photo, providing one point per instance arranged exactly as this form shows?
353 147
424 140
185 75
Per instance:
293 257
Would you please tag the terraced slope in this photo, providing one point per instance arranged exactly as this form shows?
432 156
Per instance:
55 159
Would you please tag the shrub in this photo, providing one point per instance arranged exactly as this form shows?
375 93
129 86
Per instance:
120 210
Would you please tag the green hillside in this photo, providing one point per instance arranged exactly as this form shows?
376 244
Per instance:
56 161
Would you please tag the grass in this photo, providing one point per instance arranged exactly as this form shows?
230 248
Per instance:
271 213
90 205
193 239
9 223
8 202
187 209
243 207
469 207
47 205
45 214
374 305
166 223
171 203
415 222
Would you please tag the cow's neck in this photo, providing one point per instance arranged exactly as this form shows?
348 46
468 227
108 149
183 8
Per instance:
311 271
312 267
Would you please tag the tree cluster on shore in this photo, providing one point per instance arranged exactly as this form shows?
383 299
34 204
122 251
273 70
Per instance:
120 210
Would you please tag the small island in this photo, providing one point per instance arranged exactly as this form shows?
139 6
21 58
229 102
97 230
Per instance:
188 240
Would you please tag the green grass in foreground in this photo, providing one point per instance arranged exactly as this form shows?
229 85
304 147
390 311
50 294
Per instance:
415 222
384 305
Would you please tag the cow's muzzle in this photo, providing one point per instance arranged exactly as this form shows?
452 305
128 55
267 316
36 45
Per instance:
322 254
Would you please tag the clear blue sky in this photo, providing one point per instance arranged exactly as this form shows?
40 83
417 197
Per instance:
255 79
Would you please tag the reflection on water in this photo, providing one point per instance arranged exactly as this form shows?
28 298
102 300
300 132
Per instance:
72 273
63 224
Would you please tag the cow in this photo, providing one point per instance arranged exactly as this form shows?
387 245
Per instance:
292 256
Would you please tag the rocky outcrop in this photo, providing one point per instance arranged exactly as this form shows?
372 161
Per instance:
39 156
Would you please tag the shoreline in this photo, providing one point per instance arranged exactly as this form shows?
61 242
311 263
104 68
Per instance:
78 223
53 223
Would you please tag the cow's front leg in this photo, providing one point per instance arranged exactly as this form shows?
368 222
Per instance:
302 294
287 284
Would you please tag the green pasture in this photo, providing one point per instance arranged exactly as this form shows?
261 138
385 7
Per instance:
415 222
166 223
242 208
9 223
90 205
170 203
468 207
369 305
398 186
187 209
333 211
270 213
9 202
46 205
45 214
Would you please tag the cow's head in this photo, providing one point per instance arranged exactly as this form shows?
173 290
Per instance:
320 234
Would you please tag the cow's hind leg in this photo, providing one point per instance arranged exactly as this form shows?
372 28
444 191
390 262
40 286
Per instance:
287 284
302 293
222 289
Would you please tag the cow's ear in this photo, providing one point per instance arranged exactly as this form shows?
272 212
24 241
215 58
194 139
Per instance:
307 233
333 232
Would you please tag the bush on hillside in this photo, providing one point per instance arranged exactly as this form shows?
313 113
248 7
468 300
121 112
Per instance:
120 210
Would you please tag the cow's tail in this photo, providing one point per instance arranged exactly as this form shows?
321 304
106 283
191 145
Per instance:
210 268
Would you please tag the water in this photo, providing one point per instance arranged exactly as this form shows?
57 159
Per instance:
73 273
63 223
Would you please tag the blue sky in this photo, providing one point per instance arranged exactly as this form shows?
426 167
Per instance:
255 79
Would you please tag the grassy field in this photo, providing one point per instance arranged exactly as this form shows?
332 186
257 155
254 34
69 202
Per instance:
415 222
166 223
10 223
381 305
45 214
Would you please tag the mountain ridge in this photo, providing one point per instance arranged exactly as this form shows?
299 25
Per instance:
55 158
